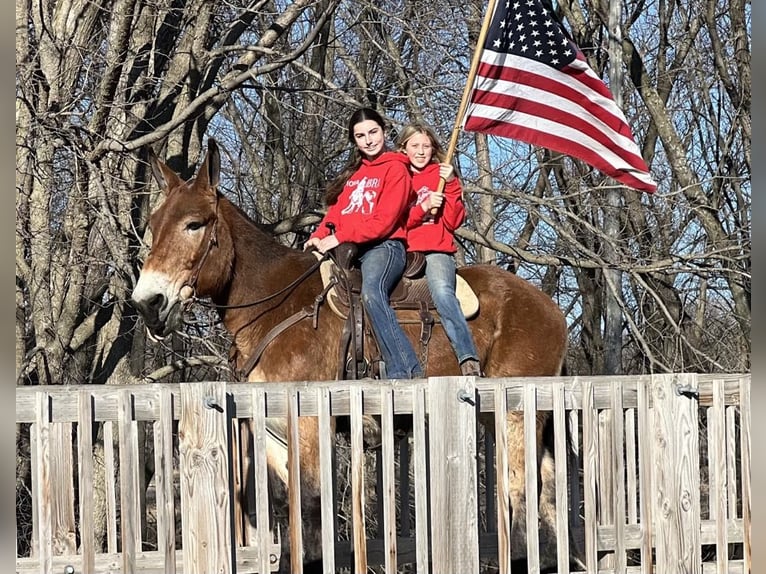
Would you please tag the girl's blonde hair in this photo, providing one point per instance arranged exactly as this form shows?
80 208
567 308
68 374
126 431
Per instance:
438 155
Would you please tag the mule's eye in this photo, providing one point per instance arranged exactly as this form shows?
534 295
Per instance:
194 225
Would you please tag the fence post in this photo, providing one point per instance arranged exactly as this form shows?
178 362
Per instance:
206 512
676 480
452 404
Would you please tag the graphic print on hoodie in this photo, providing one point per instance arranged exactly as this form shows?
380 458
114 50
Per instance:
374 202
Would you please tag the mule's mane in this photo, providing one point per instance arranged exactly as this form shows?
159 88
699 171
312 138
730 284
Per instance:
249 236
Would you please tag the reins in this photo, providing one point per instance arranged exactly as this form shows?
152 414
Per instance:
213 240
287 287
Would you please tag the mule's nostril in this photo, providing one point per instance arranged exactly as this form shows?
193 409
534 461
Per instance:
156 302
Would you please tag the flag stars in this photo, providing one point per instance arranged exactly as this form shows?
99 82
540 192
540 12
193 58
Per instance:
525 28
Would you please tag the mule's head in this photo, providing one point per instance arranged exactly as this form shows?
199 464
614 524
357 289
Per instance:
185 244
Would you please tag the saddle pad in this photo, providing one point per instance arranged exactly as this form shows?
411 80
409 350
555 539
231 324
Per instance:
469 302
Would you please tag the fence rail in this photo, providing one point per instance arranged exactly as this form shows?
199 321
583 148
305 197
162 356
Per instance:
652 475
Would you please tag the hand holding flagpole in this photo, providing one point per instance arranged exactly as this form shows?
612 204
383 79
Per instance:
466 93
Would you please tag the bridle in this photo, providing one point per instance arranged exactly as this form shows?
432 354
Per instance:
212 240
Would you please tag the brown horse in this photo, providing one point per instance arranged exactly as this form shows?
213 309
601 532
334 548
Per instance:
204 245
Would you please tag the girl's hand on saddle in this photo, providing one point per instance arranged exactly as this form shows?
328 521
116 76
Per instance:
321 245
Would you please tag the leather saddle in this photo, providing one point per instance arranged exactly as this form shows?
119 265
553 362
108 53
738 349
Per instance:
411 300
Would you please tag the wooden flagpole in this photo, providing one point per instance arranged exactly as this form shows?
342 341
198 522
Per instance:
467 91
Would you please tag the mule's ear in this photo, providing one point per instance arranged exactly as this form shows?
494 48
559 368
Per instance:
166 177
211 167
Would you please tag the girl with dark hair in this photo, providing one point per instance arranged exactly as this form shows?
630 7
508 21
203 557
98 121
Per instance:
367 205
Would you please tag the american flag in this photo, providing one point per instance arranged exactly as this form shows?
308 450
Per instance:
534 85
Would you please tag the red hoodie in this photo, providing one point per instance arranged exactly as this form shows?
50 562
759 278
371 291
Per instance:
437 234
374 202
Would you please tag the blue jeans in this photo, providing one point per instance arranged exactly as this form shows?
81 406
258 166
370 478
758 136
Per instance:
441 276
382 267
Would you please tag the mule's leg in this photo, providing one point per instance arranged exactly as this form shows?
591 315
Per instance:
517 486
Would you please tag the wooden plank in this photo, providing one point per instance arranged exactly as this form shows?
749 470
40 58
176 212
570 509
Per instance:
731 460
62 489
205 504
576 523
163 480
531 477
718 477
503 486
453 476
631 469
712 453
145 408
110 479
676 475
420 471
265 560
326 446
388 516
294 483
618 474
645 457
562 502
744 436
130 522
85 482
357 482
590 457
42 487
606 479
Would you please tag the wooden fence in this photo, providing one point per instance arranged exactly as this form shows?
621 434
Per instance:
656 477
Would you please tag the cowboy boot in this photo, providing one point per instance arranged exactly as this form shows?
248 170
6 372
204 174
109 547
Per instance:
470 368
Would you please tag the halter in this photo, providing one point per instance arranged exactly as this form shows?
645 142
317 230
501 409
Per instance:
211 241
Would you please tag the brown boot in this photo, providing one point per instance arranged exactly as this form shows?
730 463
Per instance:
470 368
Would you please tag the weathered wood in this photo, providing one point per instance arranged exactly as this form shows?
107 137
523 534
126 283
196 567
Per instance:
294 484
645 474
745 467
420 468
268 558
62 489
85 481
589 454
130 509
641 529
41 468
357 482
326 446
503 486
205 503
163 481
453 480
110 472
719 488
676 476
241 393
387 519
562 502
618 476
531 477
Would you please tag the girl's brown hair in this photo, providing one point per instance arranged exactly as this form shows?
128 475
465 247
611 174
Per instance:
355 159
438 156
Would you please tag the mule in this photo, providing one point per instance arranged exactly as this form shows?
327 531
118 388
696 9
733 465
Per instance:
205 246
